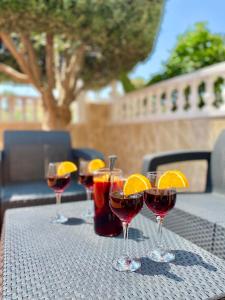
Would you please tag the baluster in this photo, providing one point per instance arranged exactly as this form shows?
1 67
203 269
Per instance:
158 105
120 111
134 107
38 106
11 106
153 103
24 102
34 110
149 107
194 96
129 109
1 113
169 100
141 106
145 104
180 99
222 107
138 106
209 96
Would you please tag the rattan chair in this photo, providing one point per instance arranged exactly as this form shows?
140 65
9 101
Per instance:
23 161
199 217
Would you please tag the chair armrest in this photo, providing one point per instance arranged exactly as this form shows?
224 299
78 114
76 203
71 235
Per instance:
1 186
152 161
1 178
87 153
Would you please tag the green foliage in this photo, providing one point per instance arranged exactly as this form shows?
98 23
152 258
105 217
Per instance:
130 85
195 49
127 84
117 33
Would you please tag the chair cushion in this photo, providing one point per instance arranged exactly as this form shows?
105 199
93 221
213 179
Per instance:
208 206
36 193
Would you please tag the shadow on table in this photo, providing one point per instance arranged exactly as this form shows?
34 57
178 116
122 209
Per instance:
152 268
187 258
74 221
135 234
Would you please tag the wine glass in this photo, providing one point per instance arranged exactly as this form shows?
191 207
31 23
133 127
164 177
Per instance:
86 179
58 184
160 202
125 208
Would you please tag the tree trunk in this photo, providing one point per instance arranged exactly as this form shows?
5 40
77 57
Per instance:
57 119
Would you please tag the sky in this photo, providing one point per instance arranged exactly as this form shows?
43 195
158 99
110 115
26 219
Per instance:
179 15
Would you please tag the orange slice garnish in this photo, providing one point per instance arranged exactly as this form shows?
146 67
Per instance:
136 183
95 164
66 167
172 179
102 178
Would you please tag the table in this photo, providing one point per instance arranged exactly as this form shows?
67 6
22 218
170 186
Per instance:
52 261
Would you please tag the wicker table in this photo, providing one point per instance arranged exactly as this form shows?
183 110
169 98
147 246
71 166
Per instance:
46 261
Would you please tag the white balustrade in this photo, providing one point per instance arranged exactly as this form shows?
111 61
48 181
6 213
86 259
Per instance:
167 100
20 109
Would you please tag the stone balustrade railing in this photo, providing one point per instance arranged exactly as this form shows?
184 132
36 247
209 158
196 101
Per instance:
195 95
20 108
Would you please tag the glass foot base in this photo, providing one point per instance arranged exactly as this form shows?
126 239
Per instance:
88 215
126 264
160 255
59 219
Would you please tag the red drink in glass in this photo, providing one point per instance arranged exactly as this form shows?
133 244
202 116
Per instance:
58 184
160 202
126 208
105 222
86 180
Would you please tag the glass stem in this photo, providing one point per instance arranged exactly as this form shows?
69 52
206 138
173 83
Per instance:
58 198
58 202
125 238
88 192
159 221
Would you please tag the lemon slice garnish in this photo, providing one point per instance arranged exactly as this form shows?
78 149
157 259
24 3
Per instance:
172 179
136 183
66 167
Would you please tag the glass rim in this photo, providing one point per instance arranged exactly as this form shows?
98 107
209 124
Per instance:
158 189
101 171
156 172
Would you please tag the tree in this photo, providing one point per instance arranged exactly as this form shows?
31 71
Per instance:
65 46
195 49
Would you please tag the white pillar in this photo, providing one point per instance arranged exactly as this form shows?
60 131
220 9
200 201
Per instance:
209 96
194 97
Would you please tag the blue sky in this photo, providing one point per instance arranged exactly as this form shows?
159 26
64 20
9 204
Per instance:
180 15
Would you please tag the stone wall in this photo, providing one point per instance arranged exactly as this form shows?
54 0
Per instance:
132 141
